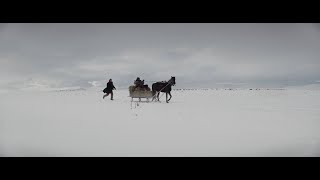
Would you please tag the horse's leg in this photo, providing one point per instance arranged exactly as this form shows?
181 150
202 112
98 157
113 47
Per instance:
154 96
167 97
158 96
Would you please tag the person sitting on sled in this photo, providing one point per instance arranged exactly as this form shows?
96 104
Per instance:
138 82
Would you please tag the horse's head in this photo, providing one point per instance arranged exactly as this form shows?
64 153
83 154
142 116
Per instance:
173 80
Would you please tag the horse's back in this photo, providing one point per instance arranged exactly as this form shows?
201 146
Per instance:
161 86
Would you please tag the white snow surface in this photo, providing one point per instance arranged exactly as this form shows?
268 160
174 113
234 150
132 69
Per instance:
207 122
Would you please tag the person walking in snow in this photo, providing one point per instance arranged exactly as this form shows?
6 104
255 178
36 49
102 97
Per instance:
108 89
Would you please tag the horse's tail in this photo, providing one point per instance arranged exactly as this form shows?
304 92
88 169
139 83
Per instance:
154 93
153 87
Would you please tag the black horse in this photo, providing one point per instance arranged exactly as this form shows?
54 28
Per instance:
163 87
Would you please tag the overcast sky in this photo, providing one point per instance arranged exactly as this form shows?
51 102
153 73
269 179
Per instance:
198 55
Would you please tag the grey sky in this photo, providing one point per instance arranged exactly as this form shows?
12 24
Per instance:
199 55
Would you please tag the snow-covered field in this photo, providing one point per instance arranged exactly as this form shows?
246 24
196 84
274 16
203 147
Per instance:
195 123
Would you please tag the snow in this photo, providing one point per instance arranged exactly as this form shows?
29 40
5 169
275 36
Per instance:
198 122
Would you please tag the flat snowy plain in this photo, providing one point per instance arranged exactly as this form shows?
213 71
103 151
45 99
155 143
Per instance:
202 122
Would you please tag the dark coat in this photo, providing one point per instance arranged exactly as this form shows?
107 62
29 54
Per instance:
109 87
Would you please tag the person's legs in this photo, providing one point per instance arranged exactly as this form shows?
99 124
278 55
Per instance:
105 95
111 95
